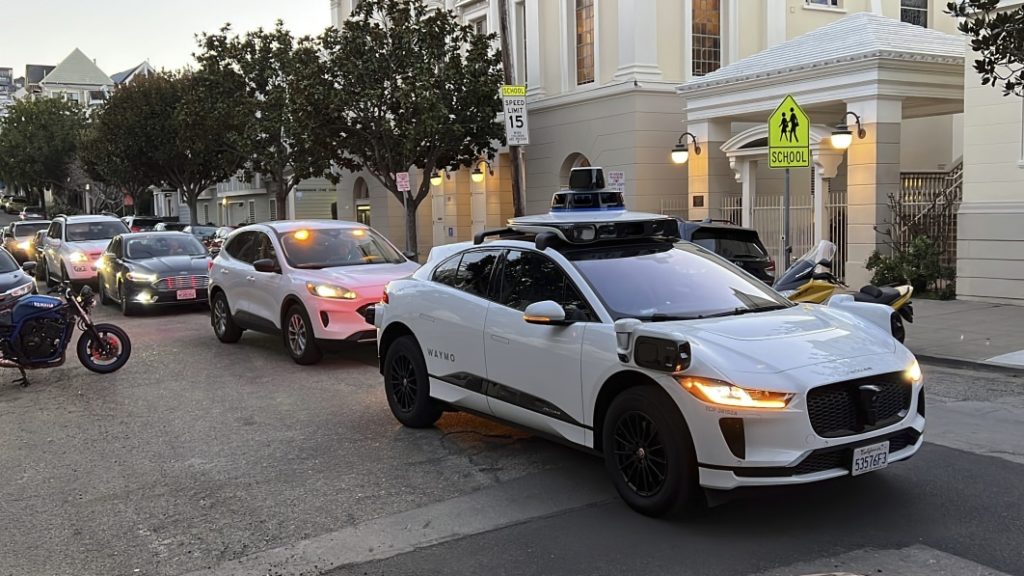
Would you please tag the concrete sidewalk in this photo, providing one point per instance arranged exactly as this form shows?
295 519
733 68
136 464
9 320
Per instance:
963 331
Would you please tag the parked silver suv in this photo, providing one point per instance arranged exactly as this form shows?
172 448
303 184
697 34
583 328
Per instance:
74 243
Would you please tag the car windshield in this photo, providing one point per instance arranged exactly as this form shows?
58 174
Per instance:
731 244
330 247
203 231
661 282
7 264
28 229
161 246
103 230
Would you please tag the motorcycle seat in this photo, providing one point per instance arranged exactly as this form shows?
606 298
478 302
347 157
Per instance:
877 295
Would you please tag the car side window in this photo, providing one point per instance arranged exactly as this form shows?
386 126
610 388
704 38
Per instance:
265 248
474 272
243 247
446 271
529 277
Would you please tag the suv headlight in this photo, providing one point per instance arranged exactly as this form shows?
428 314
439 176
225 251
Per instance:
78 257
726 394
330 291
20 290
136 276
913 373
24 244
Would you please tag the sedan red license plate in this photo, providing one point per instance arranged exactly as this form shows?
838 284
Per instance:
187 294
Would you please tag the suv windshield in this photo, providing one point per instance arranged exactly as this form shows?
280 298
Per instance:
102 230
661 282
732 244
330 247
29 228
161 246
202 231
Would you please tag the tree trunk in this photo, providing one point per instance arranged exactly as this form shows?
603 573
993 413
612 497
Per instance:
282 204
193 208
410 227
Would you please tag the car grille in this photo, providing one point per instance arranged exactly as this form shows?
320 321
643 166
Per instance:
838 410
183 282
839 457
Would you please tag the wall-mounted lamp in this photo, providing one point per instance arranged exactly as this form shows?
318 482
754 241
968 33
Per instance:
478 175
842 137
436 177
680 152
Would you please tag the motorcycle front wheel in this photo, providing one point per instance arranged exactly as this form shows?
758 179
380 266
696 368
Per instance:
107 353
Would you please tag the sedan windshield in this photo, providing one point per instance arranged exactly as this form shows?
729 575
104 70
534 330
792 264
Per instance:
29 228
161 246
662 282
86 231
330 247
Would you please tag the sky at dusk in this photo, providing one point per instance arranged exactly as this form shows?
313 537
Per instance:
120 34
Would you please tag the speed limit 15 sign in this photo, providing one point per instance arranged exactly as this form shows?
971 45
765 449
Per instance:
517 131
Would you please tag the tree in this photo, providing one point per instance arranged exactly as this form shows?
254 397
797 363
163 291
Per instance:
997 35
406 85
38 142
274 143
181 129
113 154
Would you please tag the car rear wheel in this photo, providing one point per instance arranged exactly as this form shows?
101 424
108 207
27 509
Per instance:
299 339
649 454
224 326
408 386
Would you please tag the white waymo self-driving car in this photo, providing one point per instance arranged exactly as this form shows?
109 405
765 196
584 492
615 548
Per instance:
590 324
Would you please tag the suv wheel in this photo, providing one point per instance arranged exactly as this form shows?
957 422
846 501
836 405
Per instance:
298 337
224 326
47 276
649 454
408 386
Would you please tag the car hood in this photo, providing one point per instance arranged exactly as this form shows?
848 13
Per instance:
782 340
175 265
368 275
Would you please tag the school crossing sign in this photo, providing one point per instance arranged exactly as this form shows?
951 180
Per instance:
789 133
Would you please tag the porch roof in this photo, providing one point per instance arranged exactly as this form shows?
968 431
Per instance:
859 56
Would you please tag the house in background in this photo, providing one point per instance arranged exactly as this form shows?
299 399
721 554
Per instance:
77 78
126 76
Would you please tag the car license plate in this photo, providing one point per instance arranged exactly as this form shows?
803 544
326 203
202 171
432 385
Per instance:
187 294
870 458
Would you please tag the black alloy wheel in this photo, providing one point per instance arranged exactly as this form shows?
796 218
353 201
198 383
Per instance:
105 299
407 385
127 308
640 453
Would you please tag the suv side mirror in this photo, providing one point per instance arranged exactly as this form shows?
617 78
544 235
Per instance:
28 267
547 312
266 265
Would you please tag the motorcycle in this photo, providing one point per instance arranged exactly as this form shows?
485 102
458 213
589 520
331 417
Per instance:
810 279
36 330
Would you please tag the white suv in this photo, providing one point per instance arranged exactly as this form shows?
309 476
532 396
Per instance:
309 281
73 244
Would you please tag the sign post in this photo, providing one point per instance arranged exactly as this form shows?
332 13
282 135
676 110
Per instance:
789 133
517 131
404 186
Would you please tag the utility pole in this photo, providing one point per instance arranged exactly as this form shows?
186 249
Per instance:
514 152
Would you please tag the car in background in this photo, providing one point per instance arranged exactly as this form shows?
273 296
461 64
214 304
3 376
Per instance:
147 269
32 213
19 238
170 227
204 234
141 223
74 243
15 282
308 281
15 205
4 200
737 244
215 242
38 242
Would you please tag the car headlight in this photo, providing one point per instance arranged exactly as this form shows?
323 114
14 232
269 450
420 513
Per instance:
913 373
726 394
136 276
78 257
330 291
20 290
24 244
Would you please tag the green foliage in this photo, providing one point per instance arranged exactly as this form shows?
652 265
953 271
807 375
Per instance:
275 141
38 142
919 264
402 85
997 35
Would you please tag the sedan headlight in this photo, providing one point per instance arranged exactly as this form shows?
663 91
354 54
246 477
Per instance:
78 257
913 373
330 291
136 276
726 394
24 245
20 290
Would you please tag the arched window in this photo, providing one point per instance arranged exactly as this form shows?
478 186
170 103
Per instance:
361 200
707 36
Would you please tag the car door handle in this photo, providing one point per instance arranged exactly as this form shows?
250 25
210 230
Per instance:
499 339
225 271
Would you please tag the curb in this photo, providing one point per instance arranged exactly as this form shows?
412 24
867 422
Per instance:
953 362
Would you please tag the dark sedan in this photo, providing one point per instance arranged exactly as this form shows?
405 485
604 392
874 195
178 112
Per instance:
146 269
14 282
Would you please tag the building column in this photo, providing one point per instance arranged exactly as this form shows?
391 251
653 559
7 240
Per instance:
873 173
534 38
708 171
825 166
638 42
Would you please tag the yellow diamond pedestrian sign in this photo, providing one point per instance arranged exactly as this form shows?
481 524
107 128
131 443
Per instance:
789 132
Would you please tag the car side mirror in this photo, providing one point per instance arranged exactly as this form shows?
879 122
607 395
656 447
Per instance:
28 267
266 265
547 312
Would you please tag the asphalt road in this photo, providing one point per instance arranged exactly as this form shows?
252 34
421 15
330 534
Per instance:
200 457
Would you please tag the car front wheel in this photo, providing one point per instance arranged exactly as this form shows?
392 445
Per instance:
224 326
408 386
299 338
649 454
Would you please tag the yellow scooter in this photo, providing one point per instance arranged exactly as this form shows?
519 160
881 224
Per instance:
810 279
